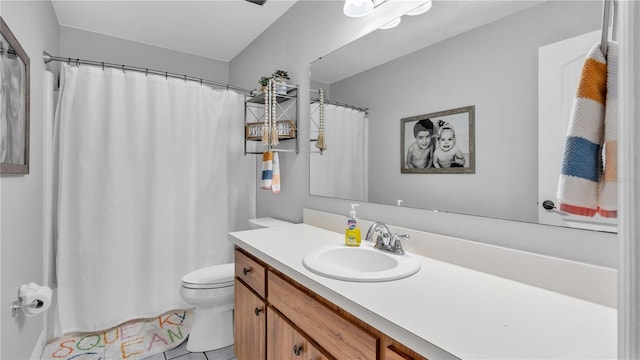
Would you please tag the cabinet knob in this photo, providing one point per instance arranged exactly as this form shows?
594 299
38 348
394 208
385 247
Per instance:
257 311
245 271
297 349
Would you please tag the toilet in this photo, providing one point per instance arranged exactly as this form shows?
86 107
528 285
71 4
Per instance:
267 222
210 291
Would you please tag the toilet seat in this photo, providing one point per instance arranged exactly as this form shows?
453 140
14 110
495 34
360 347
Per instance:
212 277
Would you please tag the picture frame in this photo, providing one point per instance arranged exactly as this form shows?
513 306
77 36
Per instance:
14 104
441 142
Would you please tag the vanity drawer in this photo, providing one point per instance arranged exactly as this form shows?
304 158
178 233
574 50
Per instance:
250 272
391 353
285 343
336 335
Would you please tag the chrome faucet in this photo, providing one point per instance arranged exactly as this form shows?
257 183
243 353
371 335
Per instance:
384 240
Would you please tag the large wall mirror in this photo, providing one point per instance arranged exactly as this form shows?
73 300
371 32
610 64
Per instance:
515 62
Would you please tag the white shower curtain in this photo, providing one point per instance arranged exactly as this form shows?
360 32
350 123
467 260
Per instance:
342 169
142 192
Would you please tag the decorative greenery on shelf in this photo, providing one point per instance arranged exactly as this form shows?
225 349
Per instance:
279 77
264 81
280 74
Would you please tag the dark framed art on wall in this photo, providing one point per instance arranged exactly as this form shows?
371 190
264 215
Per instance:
439 142
14 104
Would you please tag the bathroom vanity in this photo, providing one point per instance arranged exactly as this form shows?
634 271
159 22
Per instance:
299 322
282 310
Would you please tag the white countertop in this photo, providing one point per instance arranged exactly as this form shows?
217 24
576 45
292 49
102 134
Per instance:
448 311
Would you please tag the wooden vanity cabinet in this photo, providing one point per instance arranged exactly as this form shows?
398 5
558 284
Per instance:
284 342
249 329
251 272
250 308
276 318
393 353
337 335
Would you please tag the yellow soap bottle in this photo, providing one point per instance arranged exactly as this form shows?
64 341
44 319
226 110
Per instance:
352 233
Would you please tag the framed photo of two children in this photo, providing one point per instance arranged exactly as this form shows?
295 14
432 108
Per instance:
14 104
439 142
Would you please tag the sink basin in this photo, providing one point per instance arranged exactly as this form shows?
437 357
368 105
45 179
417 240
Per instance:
361 264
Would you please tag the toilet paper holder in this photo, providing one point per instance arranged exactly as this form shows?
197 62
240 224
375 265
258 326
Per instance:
30 297
19 304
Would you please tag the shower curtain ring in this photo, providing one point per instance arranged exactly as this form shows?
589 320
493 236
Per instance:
200 81
146 72
185 78
166 75
123 68
103 66
69 61
77 62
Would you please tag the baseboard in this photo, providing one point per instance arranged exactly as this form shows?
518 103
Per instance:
36 354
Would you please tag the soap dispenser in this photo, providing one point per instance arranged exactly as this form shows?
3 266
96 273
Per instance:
352 233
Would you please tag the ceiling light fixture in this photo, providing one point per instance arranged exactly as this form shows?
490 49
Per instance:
357 8
391 24
421 9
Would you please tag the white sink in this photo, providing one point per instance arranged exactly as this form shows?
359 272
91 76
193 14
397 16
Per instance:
361 264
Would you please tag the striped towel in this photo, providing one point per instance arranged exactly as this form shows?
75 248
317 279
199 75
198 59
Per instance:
267 170
608 202
581 177
275 183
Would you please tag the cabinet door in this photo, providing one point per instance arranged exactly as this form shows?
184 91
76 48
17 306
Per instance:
249 324
285 343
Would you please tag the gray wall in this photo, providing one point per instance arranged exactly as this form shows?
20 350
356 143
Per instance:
311 29
82 44
21 248
493 67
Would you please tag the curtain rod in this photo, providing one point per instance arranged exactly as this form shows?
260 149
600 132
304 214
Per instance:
364 110
47 58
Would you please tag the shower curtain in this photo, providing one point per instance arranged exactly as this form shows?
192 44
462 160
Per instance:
342 170
143 191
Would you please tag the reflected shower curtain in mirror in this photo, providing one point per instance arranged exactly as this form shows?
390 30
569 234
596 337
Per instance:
142 194
341 171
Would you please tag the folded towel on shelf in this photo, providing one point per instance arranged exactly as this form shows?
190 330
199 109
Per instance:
275 183
581 175
267 170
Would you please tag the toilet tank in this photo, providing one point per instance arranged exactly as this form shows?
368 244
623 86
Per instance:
266 222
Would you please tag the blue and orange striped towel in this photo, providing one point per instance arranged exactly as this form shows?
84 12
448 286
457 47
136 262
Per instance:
584 187
267 170
275 182
608 201
270 172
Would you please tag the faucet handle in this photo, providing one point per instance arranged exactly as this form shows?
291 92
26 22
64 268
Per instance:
382 240
397 244
377 230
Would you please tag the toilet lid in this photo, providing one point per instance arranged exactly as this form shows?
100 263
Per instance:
216 274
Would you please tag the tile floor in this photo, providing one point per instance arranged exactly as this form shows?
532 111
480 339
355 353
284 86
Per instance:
181 353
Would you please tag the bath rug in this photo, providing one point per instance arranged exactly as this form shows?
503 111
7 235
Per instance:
133 340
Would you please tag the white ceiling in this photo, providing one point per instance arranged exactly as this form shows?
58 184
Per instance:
217 29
